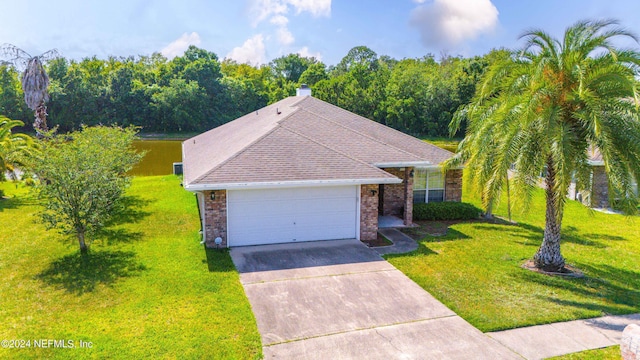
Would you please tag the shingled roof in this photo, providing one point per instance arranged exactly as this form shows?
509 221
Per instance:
301 140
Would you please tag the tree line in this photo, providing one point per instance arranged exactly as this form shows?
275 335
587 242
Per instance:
197 91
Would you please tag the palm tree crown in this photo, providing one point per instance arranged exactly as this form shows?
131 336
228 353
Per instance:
14 148
543 108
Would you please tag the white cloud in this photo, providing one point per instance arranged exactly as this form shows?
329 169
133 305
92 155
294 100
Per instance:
251 52
285 37
304 52
315 7
276 11
177 47
279 20
451 22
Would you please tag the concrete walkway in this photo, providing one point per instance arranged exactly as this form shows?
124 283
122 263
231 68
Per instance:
401 242
543 341
341 300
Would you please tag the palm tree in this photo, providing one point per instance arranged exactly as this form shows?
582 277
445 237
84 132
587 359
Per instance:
14 148
541 109
35 82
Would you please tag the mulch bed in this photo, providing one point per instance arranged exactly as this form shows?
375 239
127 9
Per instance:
380 241
566 271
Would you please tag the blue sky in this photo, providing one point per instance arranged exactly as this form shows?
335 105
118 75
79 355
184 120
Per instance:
256 31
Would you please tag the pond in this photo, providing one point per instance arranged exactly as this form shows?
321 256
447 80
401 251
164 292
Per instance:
161 154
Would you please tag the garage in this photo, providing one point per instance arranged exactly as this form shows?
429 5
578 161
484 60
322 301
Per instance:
270 216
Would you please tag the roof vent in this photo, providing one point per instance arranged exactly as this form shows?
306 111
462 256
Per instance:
304 90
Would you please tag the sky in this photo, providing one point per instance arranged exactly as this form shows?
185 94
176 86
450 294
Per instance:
257 31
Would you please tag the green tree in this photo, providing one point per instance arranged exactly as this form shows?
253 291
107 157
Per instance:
545 107
14 148
82 180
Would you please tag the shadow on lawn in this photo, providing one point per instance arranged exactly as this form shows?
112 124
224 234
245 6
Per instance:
612 290
11 203
218 260
128 213
79 274
532 235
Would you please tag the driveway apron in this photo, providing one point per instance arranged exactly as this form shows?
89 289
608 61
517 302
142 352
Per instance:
341 300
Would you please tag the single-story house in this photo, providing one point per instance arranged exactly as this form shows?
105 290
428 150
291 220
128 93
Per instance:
302 169
596 194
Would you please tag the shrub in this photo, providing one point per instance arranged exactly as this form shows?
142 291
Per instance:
1 193
445 211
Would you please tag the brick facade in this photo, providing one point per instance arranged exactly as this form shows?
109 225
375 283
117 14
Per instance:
599 188
215 217
393 199
408 196
453 185
368 212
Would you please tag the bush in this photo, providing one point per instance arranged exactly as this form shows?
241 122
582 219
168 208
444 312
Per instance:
1 193
445 211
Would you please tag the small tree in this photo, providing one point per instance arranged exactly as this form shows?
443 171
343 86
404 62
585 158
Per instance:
83 178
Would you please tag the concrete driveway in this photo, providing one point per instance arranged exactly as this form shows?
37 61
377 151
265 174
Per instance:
341 300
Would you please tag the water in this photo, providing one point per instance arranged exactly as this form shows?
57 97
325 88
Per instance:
161 154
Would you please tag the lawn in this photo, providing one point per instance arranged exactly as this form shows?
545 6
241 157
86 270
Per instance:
475 268
147 290
608 353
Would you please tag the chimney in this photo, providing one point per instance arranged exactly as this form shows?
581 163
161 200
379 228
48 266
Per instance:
304 90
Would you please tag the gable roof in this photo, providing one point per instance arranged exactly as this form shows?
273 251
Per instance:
301 140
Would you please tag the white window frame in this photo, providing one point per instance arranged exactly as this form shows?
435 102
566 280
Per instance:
427 189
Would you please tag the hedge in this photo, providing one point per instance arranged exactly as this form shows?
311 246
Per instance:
445 211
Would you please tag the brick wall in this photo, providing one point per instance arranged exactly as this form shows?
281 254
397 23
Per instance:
368 212
600 188
393 200
408 196
215 217
453 185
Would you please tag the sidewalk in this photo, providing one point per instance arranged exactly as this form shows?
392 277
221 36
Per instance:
543 341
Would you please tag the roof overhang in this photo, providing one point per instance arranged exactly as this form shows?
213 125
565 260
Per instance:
399 164
289 184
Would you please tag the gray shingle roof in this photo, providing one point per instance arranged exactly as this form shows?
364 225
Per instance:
300 139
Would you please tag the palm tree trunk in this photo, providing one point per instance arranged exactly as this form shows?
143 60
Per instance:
548 257
40 123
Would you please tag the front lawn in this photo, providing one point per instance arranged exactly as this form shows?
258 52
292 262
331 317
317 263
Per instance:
475 268
608 353
147 290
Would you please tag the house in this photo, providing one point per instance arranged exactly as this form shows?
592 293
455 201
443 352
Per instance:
302 169
596 194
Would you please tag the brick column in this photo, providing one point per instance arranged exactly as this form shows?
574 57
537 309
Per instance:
408 196
599 188
453 185
215 217
368 212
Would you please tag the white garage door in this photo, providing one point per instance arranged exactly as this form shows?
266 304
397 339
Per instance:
289 215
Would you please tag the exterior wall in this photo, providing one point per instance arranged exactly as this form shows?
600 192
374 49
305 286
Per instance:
453 185
393 199
600 188
408 196
215 215
368 212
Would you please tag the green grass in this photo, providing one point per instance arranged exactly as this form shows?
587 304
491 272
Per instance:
444 143
147 290
475 269
608 353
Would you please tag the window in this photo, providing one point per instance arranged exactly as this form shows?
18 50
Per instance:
428 186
